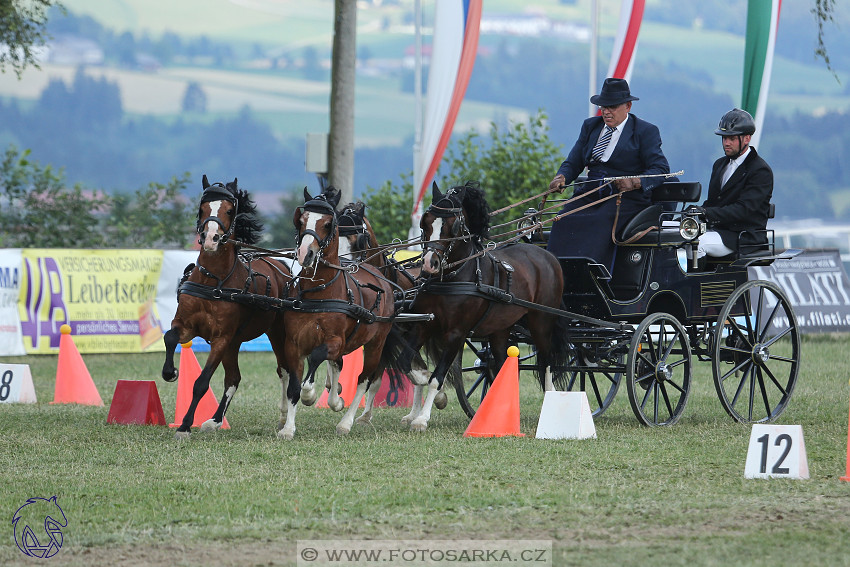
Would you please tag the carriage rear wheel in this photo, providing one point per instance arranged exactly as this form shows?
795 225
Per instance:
658 375
755 359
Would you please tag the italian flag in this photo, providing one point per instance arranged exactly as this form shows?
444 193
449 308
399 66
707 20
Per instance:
762 25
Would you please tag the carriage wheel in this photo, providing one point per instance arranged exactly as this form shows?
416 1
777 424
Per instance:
755 359
594 378
658 375
475 379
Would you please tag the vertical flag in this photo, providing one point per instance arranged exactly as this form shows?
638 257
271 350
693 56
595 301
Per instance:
625 44
453 52
762 25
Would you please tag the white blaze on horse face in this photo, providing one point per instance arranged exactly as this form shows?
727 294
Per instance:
213 229
436 229
308 241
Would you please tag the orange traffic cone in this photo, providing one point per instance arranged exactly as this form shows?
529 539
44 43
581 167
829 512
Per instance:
846 476
73 381
498 414
187 373
352 366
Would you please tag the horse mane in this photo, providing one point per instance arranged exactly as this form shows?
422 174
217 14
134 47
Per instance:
248 227
476 209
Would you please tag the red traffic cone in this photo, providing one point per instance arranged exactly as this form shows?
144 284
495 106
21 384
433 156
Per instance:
73 381
187 373
846 476
136 402
352 366
498 414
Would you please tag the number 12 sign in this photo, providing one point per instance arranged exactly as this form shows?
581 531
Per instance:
776 451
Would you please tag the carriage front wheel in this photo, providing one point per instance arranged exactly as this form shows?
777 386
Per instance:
756 352
658 373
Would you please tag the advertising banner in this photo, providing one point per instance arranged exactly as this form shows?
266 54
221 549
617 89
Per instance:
106 296
11 341
817 287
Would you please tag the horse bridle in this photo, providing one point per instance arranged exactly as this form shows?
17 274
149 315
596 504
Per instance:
319 205
459 230
350 223
217 192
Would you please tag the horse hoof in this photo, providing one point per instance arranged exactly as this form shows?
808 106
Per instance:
406 420
339 406
365 419
308 397
182 435
441 401
342 430
210 425
169 377
286 434
418 426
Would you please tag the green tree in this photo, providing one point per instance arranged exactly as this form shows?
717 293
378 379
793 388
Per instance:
38 211
22 30
516 162
157 216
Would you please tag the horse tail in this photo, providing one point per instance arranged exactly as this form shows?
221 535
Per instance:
558 355
396 355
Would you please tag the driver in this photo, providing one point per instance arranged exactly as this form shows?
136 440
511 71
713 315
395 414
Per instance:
739 191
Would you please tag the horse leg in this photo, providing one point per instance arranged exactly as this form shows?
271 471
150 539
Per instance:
419 378
199 389
334 388
171 339
232 378
435 384
369 375
371 391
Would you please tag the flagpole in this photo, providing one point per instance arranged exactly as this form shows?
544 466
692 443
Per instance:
594 17
417 118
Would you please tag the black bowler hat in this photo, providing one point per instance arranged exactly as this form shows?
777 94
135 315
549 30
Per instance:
614 92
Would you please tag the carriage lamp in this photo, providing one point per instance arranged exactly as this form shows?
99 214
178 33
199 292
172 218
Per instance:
690 228
528 221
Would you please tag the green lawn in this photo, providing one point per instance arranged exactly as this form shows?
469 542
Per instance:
666 496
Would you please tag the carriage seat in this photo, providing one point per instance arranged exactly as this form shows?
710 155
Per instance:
751 252
667 199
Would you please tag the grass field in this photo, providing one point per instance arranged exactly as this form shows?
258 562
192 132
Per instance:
668 496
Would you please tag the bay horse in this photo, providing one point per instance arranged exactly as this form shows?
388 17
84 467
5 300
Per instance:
478 292
225 297
336 309
358 241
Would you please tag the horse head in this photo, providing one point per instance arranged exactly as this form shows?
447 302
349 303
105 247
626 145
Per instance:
216 214
459 215
356 237
316 227
226 212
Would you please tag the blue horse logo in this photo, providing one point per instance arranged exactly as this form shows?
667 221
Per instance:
38 527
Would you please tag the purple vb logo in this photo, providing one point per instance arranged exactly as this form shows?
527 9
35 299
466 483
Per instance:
38 527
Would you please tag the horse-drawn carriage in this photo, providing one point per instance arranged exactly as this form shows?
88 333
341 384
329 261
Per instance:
584 328
647 321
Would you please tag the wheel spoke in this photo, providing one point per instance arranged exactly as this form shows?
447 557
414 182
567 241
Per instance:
763 392
666 399
773 379
763 330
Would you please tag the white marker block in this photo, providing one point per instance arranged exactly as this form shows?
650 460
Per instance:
776 451
565 415
16 384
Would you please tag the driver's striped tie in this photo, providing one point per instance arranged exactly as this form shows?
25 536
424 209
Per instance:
602 144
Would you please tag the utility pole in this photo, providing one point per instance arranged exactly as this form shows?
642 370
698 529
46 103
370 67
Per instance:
343 62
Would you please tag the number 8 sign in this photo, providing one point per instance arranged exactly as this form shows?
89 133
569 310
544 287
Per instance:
776 451
16 384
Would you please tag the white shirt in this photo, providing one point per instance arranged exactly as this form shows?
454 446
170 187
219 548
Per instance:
615 136
733 165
